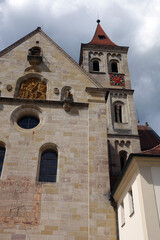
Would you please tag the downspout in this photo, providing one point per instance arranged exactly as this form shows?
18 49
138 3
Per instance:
114 205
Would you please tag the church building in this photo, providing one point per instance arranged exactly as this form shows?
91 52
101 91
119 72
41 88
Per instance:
66 132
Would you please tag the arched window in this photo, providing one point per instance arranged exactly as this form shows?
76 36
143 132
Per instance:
114 66
96 65
48 166
2 154
118 113
123 158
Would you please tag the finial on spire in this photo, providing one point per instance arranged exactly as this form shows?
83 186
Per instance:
98 21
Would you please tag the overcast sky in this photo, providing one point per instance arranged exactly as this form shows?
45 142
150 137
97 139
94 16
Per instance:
133 23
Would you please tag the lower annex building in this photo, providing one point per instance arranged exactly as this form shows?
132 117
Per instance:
66 133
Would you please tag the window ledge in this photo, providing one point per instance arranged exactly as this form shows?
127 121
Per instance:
131 214
117 73
96 72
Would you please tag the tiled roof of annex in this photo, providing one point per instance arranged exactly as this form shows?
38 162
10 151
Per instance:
153 151
148 137
100 37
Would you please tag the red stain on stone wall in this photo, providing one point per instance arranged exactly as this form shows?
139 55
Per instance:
19 201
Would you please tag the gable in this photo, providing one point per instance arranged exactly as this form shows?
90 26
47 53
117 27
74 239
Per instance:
57 69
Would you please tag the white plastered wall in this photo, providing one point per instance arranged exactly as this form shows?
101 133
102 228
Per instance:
133 227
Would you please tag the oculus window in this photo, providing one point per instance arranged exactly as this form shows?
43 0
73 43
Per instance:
28 122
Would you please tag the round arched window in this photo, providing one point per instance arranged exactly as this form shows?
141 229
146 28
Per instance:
96 65
48 166
28 122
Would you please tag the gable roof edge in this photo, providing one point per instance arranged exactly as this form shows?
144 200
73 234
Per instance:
21 40
92 79
38 30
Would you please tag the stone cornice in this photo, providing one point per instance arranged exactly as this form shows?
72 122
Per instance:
105 91
115 135
39 102
104 47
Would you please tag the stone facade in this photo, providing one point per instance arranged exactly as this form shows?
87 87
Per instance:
76 119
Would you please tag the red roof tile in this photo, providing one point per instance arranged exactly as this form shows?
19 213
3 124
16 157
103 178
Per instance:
100 37
148 137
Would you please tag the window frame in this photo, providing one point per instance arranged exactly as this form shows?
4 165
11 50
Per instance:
131 202
95 65
113 61
3 148
42 176
29 120
122 213
91 65
118 119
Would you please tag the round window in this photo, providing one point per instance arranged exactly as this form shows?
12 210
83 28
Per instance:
28 122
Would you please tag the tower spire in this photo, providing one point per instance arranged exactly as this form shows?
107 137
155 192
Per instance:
100 37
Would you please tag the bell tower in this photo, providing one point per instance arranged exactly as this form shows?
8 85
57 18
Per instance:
107 63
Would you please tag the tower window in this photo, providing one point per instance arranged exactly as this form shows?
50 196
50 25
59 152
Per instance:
96 65
101 37
2 154
114 67
123 158
118 113
48 166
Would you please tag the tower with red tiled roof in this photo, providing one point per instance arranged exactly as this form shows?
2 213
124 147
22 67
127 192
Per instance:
107 63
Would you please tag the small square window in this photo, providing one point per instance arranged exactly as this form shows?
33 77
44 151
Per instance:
101 37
